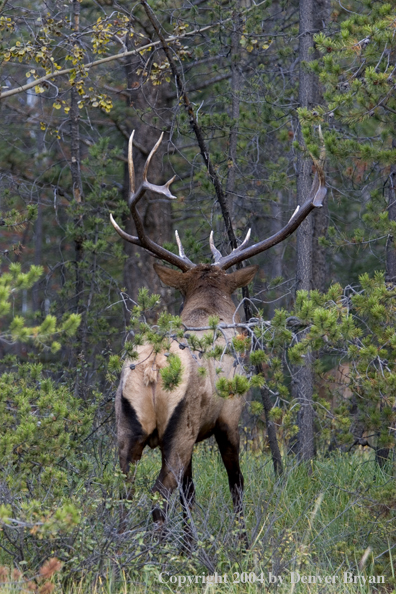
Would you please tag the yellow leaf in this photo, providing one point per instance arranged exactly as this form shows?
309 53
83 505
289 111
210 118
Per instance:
57 105
39 89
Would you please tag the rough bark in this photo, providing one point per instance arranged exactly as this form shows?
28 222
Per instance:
32 103
303 377
304 164
390 274
276 268
75 168
320 217
38 249
381 453
320 274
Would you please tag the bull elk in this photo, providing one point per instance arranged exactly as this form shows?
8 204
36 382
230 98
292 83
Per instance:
147 414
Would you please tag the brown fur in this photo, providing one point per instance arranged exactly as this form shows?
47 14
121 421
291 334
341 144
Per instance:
176 420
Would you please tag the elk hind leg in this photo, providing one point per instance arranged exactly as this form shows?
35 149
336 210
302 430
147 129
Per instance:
176 449
131 442
130 435
164 486
175 471
228 442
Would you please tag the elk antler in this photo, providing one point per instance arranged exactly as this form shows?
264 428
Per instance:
314 199
142 240
217 255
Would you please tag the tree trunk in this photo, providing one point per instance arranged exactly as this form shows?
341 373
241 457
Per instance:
320 273
390 275
303 377
38 249
320 216
33 103
382 454
276 268
75 168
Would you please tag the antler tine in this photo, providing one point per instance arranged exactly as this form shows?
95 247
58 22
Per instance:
244 242
179 245
161 253
295 212
123 234
168 183
181 249
216 254
152 153
131 168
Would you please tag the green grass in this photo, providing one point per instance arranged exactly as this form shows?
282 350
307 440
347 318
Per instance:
323 520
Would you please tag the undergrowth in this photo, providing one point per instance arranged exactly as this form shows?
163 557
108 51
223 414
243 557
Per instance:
336 515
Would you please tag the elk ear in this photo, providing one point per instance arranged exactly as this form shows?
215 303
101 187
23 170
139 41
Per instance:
170 277
242 277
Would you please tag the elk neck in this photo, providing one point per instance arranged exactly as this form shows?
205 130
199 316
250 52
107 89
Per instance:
208 294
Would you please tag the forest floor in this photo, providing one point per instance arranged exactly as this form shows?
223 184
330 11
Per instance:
327 527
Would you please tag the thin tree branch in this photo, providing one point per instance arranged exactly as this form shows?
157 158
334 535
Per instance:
120 56
194 125
203 85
